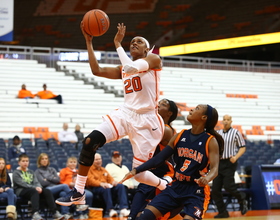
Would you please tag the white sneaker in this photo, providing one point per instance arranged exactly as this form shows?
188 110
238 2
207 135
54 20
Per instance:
37 216
83 217
113 213
67 216
58 216
81 207
124 213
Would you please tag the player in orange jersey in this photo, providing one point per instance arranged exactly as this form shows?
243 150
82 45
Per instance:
137 118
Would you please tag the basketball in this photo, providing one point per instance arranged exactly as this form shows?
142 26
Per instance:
96 22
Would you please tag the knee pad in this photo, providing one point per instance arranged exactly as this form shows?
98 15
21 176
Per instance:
147 214
90 144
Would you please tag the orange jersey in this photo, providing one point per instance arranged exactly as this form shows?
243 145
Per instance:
141 90
97 176
66 175
46 94
23 93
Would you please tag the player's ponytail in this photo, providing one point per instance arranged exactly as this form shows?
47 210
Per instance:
212 119
174 109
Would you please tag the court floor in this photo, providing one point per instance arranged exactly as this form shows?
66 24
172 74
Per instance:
250 215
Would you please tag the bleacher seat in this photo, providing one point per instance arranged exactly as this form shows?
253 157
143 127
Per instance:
86 105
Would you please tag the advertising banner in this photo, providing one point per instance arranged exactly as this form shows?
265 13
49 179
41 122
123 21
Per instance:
6 20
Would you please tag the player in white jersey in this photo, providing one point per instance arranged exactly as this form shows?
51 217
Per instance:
138 117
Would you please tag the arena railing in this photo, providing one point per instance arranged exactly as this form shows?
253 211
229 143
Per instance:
50 56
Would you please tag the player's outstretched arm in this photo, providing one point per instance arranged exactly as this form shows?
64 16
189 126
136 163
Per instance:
107 72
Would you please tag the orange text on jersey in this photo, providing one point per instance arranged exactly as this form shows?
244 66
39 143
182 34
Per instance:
190 153
182 177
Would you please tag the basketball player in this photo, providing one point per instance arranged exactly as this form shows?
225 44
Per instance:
168 111
195 151
137 117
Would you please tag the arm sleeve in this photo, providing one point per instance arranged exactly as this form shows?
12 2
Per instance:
157 160
131 67
240 140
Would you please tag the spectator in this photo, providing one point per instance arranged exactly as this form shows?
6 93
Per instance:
67 136
6 191
16 149
78 133
47 94
234 148
24 93
117 170
68 176
100 182
27 186
48 178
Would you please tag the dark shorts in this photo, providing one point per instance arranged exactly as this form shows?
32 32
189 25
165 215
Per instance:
181 196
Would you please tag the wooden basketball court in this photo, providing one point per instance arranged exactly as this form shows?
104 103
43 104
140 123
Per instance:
250 215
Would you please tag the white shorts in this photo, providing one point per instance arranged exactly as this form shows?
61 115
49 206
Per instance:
144 131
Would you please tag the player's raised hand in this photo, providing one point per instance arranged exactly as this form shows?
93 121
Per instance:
119 35
132 173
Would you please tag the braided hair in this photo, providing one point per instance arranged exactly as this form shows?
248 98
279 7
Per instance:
212 119
174 109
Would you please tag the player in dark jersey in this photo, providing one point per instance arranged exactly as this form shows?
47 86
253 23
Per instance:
168 111
196 153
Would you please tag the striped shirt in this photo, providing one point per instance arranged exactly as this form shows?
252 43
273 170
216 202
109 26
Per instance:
233 141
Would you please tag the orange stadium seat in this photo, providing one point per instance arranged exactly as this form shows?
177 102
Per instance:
53 135
239 128
219 125
42 129
270 128
29 130
43 135
249 132
256 127
258 132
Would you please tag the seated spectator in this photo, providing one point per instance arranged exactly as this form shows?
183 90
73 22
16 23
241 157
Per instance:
6 191
24 93
67 136
26 185
68 176
117 170
100 182
48 178
78 133
15 149
47 94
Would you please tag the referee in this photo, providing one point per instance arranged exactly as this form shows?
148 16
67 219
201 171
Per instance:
234 147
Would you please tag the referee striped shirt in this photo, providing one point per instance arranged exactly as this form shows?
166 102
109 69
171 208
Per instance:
233 141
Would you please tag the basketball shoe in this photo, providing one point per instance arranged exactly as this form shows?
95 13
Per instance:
73 197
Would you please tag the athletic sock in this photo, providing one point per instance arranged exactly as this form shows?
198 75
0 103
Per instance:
80 183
